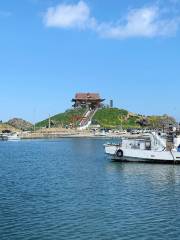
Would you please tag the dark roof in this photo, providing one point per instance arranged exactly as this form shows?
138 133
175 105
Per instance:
87 96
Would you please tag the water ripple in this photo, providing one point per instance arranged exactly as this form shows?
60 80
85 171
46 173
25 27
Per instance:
67 189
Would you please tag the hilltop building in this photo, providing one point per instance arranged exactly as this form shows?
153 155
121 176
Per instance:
88 100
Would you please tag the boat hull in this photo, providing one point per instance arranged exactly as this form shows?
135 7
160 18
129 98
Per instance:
137 155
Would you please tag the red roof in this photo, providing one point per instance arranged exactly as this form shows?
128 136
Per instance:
87 96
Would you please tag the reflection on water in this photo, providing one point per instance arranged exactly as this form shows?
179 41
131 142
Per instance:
157 173
68 189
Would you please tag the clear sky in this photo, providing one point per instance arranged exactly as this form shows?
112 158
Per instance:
128 51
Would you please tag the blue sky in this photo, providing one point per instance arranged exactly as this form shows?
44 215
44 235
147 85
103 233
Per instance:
128 51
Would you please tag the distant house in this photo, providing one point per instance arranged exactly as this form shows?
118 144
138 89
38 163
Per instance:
90 100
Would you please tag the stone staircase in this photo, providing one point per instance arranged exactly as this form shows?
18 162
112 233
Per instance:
87 118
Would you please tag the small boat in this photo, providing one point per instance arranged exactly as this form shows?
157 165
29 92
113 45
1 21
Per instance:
10 137
13 137
152 147
3 137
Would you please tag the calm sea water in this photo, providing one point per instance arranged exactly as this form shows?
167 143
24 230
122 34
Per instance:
68 189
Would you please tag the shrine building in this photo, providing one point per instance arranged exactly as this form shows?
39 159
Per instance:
88 100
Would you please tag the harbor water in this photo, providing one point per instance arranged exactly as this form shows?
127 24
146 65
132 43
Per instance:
67 189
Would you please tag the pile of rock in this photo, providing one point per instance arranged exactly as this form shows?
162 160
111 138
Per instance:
20 124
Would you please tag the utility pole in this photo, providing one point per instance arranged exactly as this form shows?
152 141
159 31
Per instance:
49 121
34 120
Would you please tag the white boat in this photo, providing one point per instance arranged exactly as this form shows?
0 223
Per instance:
151 148
101 134
13 137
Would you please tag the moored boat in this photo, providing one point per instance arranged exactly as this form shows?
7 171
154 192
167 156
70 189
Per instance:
10 137
150 148
3 137
13 137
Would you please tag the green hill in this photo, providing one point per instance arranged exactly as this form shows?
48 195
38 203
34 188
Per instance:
114 117
108 118
71 116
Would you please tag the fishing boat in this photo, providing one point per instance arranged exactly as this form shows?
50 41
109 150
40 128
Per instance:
152 147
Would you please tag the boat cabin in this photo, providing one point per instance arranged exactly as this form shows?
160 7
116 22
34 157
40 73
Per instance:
142 144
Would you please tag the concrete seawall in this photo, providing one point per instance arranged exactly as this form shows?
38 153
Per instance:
63 133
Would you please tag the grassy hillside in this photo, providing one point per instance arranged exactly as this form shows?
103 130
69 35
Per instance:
114 117
71 116
108 118
160 121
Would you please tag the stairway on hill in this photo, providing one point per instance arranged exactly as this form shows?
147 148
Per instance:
86 121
